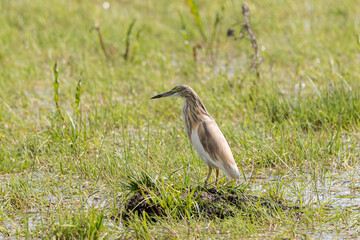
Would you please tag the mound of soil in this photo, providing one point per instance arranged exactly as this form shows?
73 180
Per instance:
210 203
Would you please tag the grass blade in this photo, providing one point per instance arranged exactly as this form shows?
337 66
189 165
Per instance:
77 95
195 13
56 89
127 43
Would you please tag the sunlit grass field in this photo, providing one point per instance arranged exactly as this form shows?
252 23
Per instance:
66 171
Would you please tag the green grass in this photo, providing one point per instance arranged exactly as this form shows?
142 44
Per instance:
295 131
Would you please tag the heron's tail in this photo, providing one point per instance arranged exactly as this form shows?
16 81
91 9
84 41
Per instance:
232 171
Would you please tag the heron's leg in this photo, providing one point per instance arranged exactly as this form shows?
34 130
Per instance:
217 177
208 176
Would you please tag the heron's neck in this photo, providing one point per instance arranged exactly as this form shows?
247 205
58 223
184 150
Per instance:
195 106
193 112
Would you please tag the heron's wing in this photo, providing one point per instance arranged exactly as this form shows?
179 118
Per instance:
215 144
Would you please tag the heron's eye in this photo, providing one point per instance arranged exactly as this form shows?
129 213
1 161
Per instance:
176 90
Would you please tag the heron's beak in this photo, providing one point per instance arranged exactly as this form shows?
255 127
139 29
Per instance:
167 94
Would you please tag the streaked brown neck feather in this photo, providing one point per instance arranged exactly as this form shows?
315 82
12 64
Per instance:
194 112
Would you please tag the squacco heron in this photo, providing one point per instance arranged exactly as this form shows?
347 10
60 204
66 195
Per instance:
204 134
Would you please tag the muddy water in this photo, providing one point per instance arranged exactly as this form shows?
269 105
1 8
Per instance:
337 192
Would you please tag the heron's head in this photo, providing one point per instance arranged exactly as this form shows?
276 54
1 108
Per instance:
183 91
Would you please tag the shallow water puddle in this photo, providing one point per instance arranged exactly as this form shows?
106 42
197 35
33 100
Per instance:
337 188
336 192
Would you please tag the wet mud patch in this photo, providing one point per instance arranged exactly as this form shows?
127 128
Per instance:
210 203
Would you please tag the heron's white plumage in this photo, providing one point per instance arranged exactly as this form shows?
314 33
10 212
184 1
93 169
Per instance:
195 141
222 158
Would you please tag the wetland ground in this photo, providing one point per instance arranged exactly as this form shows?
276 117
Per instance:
74 154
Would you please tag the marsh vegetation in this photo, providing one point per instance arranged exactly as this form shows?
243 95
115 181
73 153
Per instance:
80 139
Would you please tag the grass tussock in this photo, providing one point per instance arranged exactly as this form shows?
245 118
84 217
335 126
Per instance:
210 203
